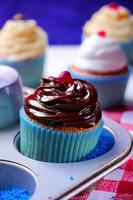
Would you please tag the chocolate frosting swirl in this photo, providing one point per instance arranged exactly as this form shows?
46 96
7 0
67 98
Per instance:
57 103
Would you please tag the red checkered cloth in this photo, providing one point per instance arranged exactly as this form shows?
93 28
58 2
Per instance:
118 185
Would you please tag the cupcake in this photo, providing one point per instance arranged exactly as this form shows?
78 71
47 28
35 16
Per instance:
11 97
117 21
61 121
22 46
101 61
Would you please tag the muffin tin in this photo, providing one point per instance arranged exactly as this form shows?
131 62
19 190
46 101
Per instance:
45 180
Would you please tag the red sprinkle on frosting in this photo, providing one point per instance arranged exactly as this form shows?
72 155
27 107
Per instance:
102 33
65 77
19 16
114 6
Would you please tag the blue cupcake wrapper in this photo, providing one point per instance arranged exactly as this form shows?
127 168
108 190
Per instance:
11 100
100 79
47 144
110 89
127 47
31 71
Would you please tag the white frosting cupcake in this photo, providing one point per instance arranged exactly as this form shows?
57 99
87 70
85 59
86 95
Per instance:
100 54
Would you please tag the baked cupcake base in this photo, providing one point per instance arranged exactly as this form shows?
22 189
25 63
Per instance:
50 145
110 89
30 70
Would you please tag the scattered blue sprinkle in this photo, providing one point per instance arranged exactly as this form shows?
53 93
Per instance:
112 198
14 194
105 143
71 178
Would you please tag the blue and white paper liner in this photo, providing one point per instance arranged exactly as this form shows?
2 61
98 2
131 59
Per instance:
105 143
127 47
31 70
47 144
110 89
11 100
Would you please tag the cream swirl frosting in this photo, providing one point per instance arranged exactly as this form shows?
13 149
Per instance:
116 20
100 54
21 40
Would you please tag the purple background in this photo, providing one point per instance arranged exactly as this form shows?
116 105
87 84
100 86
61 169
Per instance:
62 19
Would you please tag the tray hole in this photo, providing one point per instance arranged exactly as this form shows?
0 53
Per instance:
13 175
17 142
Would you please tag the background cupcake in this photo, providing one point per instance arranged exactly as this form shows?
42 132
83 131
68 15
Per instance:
61 121
11 96
101 61
117 21
22 46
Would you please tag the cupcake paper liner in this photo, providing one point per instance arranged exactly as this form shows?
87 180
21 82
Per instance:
47 144
105 143
127 47
6 111
31 70
11 101
110 89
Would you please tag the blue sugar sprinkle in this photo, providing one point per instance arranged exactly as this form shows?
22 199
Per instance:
105 143
71 178
14 194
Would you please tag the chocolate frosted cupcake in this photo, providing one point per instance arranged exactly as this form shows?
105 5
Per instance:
117 21
22 46
101 61
61 121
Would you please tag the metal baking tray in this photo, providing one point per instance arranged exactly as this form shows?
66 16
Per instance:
45 180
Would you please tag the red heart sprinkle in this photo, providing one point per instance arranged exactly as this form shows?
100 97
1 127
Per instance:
114 6
65 77
102 33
